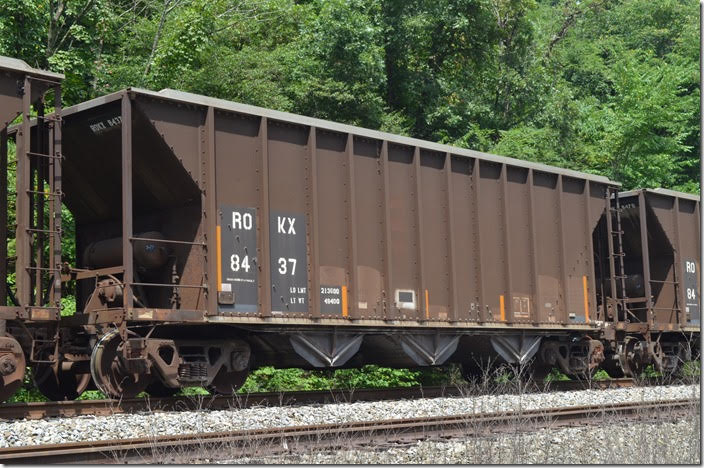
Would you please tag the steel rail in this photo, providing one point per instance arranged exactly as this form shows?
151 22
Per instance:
296 439
40 410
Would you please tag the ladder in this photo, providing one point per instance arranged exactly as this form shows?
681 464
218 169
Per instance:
617 271
38 232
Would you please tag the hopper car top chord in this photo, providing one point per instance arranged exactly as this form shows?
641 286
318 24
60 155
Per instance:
214 237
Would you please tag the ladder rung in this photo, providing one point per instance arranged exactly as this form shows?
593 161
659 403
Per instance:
47 194
617 232
43 269
43 230
49 118
42 155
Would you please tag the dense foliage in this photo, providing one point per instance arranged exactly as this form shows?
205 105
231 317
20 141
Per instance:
604 86
268 379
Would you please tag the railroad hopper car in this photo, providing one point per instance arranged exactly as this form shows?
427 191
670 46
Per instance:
215 237
29 323
652 246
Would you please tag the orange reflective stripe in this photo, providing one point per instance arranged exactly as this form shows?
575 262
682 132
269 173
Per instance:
344 301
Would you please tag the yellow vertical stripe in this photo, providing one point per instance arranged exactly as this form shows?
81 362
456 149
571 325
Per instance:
586 299
345 312
219 260
427 305
502 308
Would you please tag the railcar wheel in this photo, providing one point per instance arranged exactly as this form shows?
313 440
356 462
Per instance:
64 385
630 358
227 383
109 372
158 389
12 367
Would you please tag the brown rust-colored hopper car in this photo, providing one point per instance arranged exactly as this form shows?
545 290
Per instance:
29 322
213 238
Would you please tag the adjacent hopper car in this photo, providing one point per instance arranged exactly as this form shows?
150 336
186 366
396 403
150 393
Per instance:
29 326
214 237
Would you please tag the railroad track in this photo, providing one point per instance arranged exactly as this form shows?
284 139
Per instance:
299 439
40 410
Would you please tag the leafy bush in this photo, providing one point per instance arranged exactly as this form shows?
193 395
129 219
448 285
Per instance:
193 391
556 376
92 395
371 376
601 374
28 391
268 379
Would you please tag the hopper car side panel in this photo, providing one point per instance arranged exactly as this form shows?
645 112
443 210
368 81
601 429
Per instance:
506 266
309 220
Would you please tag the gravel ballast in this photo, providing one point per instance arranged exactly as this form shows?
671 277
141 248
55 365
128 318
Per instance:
123 426
640 443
